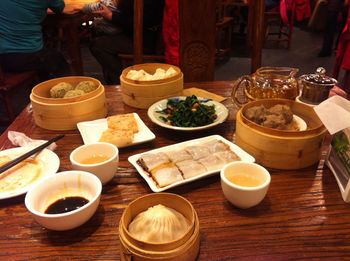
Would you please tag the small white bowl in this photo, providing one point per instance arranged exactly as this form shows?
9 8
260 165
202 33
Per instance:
242 195
104 170
61 185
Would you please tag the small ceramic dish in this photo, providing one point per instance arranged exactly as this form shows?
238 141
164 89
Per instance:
99 158
58 192
244 184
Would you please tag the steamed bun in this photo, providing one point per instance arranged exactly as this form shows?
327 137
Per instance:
74 93
142 75
60 89
86 86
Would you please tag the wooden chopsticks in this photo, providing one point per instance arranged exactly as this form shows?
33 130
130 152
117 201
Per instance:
29 153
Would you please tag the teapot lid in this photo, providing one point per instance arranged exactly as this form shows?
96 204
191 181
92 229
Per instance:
319 77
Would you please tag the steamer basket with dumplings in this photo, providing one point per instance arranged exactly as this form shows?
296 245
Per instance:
141 93
64 113
281 149
185 247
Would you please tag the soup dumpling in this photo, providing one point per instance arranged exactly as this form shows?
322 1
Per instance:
159 224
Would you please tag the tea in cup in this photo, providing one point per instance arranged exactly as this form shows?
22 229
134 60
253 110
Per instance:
244 184
99 158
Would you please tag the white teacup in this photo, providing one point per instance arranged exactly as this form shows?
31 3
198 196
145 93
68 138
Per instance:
244 184
99 158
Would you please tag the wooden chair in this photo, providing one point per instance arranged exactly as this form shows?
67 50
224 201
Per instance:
138 56
10 83
224 28
281 18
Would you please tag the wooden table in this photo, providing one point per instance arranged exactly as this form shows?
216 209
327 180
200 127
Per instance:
302 217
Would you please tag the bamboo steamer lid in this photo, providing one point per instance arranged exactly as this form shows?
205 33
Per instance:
65 113
142 94
184 248
277 148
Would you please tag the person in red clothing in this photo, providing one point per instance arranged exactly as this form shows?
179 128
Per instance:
343 55
171 35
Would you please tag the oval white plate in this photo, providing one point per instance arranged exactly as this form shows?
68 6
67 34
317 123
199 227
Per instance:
50 162
300 122
221 112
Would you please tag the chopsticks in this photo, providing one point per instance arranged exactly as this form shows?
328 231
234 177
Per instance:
29 153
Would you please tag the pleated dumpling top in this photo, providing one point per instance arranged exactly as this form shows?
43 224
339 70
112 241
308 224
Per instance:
159 224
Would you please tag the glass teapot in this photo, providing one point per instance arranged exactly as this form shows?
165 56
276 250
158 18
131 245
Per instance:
265 83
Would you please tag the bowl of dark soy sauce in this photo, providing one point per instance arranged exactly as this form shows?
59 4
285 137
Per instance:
64 201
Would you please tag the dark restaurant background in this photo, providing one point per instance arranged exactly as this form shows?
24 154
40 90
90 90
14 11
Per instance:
302 54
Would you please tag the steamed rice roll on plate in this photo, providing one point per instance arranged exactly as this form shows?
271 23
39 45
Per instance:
179 155
207 157
149 161
190 168
215 146
166 174
198 152
227 156
212 162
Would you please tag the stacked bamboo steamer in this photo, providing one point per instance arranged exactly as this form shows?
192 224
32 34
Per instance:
281 149
65 113
185 248
142 94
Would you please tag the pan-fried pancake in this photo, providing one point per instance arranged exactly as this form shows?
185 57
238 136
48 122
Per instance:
21 175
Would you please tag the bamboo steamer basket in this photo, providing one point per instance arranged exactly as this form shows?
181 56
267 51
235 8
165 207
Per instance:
184 248
64 113
281 149
142 94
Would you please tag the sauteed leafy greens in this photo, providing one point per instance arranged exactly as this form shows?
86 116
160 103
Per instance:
190 112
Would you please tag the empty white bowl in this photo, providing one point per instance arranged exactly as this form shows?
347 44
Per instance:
62 185
244 184
104 170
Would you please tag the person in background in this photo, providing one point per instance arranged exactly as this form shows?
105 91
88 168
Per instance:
21 40
100 24
334 8
343 55
105 48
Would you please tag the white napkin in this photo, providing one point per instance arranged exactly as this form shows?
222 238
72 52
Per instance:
22 140
334 113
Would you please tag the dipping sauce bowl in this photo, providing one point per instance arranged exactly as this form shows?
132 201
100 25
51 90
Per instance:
73 196
100 158
244 184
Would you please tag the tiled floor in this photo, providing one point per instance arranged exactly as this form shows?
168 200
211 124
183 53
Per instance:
302 54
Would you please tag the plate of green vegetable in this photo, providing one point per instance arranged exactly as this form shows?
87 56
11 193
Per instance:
189 113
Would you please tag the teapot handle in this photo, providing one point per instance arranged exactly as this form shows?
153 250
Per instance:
237 85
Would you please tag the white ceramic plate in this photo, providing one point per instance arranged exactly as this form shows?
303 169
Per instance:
133 160
50 164
300 122
221 112
91 131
